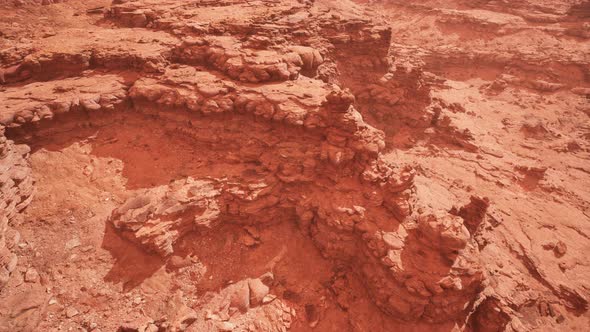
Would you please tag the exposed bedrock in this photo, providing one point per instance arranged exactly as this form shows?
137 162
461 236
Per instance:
317 164
226 54
233 165
365 221
16 192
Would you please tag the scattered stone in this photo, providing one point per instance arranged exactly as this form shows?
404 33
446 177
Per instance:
226 326
253 231
248 240
71 312
393 240
73 243
177 262
240 298
560 249
267 278
31 275
268 298
258 290
212 316
87 248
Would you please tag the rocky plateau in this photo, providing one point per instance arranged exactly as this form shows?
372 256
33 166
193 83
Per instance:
294 165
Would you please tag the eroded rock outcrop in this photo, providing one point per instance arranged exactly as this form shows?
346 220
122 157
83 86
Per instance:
416 186
319 163
16 192
42 101
382 192
254 66
157 218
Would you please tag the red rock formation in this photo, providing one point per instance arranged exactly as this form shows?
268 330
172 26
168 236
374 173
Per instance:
16 192
272 165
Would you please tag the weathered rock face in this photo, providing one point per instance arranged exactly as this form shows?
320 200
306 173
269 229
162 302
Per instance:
299 179
158 218
474 213
16 192
266 165
38 101
311 148
227 54
425 272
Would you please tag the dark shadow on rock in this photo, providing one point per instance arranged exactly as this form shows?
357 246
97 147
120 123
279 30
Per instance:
132 265
425 267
